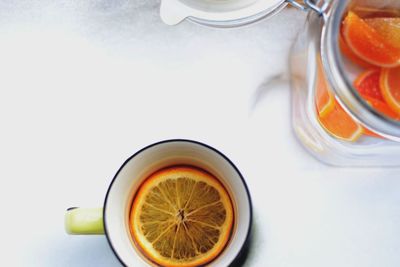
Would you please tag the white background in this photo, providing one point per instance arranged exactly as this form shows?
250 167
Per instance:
85 84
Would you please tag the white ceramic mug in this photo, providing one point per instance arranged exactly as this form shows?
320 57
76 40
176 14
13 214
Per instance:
113 219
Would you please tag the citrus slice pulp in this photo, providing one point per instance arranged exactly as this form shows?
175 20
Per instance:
368 44
368 84
345 49
382 107
325 99
181 216
371 133
389 28
390 88
341 125
373 12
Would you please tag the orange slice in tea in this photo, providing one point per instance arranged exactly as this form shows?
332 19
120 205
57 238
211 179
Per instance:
181 216
368 84
390 88
389 28
368 44
325 99
341 125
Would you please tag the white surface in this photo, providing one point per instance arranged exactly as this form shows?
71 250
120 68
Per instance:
85 84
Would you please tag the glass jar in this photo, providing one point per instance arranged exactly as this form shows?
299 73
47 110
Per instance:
317 61
347 129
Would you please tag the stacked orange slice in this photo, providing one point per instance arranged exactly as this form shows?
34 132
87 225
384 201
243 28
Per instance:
333 118
369 43
373 43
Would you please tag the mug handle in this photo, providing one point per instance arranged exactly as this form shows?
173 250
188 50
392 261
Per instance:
84 221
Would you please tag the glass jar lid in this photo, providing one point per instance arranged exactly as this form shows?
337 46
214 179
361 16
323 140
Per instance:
230 13
219 13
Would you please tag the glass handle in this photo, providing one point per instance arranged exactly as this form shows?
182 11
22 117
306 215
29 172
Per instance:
84 221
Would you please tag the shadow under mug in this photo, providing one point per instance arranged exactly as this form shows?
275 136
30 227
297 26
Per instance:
113 219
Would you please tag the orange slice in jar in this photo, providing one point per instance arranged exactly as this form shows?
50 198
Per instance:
368 84
389 28
341 125
325 100
373 12
181 216
368 44
347 52
371 133
382 107
390 88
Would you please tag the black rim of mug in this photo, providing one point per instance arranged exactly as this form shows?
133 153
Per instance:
245 244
